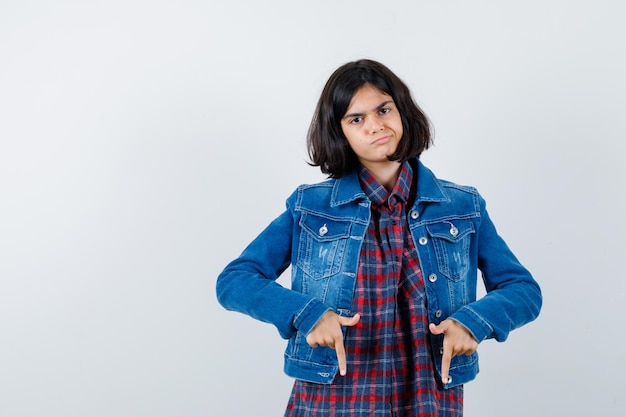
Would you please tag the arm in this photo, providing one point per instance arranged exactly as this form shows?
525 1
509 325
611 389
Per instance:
513 297
248 284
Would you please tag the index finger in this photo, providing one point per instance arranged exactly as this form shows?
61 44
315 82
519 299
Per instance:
445 364
341 357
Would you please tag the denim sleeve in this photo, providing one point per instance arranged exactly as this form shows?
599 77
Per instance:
513 296
248 284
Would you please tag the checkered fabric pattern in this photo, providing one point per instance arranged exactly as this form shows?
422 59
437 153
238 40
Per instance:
390 369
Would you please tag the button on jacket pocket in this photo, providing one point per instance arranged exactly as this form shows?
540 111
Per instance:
451 240
321 246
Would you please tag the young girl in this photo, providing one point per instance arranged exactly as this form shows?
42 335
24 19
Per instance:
381 317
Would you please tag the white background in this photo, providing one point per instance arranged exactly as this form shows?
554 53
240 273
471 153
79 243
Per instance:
144 143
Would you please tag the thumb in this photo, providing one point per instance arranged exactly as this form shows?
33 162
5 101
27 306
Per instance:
350 321
434 329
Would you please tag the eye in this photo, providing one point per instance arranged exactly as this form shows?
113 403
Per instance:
384 110
356 120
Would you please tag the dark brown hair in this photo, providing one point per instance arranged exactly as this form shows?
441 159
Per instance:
327 145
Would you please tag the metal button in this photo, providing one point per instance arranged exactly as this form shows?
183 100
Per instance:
449 380
432 277
441 350
422 241
438 313
454 231
323 230
414 214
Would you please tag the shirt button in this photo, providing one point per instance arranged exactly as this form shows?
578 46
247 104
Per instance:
432 277
438 313
422 241
414 214
449 380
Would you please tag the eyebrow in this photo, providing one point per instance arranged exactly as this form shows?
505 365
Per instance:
380 106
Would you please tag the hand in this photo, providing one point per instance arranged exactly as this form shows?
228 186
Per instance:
327 332
457 340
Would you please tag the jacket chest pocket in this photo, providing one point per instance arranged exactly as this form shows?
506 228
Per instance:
322 244
451 240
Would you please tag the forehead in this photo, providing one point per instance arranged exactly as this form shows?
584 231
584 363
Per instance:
368 97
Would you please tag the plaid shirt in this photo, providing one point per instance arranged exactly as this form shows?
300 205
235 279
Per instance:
390 369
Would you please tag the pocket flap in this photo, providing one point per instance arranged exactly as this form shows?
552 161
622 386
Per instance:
452 230
324 229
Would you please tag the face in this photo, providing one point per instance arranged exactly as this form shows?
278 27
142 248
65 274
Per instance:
373 126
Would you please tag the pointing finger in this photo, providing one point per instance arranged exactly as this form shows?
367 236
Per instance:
445 363
447 351
339 348
341 357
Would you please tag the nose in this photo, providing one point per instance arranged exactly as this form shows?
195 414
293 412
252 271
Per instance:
376 125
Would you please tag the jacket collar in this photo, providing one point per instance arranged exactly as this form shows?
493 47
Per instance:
429 189
347 189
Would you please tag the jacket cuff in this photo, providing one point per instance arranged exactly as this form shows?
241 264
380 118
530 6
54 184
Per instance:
473 322
310 314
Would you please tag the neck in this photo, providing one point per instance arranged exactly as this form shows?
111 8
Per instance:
385 173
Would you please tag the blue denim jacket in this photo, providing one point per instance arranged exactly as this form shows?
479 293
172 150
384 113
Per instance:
320 236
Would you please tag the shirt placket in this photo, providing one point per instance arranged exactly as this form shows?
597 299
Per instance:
395 241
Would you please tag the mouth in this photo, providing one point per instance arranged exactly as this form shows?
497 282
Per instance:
382 140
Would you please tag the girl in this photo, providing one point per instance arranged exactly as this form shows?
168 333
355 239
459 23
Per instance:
381 316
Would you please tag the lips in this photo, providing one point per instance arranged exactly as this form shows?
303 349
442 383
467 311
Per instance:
382 140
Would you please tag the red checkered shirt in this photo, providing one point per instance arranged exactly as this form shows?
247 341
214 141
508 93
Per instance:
390 369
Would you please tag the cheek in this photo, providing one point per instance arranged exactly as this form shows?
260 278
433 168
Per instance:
344 131
399 129
351 135
351 142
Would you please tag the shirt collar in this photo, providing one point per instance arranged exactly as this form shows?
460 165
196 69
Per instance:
429 189
379 195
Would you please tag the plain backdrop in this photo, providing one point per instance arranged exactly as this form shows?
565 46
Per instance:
144 143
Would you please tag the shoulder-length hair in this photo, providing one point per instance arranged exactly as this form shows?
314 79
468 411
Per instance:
328 147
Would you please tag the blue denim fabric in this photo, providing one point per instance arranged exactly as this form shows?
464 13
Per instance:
320 235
